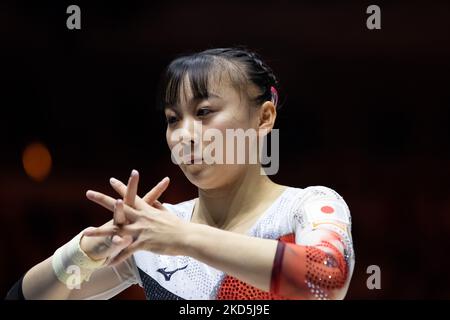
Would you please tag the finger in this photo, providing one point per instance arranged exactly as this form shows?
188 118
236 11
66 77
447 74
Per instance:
157 191
106 231
102 231
118 244
140 203
101 199
119 215
122 242
109 203
126 253
158 205
116 240
106 246
121 189
132 187
132 214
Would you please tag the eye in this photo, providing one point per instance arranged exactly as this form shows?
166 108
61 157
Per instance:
171 119
203 112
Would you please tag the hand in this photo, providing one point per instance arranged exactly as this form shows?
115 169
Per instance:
98 248
152 228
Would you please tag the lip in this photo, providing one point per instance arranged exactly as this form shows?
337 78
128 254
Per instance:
200 160
191 160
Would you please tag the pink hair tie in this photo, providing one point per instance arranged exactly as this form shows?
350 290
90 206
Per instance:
274 93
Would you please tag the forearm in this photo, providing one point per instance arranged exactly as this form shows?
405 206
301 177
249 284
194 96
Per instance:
246 258
298 269
62 273
40 282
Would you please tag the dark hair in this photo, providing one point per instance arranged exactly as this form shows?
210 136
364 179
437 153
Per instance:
241 65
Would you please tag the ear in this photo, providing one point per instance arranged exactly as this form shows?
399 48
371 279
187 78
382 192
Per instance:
267 116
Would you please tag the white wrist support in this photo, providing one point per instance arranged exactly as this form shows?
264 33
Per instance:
72 266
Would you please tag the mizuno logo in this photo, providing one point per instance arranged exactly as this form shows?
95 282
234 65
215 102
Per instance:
168 274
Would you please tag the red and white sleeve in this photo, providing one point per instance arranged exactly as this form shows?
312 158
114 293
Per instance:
320 263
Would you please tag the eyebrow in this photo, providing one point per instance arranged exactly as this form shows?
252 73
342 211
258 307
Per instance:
210 95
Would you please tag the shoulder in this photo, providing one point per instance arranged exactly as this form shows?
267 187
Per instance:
313 193
317 204
321 192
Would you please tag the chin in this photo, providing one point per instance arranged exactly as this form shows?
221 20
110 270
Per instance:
213 176
202 176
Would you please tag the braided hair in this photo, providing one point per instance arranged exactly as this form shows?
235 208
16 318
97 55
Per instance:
243 67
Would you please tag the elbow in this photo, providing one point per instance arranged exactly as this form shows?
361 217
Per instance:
324 286
316 286
307 272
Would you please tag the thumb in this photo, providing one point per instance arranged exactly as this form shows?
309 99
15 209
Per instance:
118 243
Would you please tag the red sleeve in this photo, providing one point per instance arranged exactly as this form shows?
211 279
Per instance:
320 262
301 272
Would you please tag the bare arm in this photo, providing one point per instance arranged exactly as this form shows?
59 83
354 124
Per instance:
247 258
315 270
41 282
316 262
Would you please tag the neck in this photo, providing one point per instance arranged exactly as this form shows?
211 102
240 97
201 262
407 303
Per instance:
221 207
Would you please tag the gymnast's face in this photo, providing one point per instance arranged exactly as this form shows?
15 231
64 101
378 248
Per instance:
225 108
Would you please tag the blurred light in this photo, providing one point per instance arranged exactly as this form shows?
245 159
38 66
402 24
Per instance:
37 161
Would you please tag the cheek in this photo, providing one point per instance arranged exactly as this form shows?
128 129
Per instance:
229 120
168 139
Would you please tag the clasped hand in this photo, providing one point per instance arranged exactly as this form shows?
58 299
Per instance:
139 223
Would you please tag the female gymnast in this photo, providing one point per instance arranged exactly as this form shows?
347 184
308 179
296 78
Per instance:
243 237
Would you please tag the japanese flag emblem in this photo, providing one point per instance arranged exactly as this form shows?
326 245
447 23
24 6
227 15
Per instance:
326 210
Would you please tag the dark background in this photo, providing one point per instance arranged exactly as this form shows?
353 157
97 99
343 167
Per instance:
366 113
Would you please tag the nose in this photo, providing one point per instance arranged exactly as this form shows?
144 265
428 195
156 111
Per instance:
189 132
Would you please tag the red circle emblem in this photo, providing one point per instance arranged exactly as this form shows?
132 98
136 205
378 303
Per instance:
327 209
